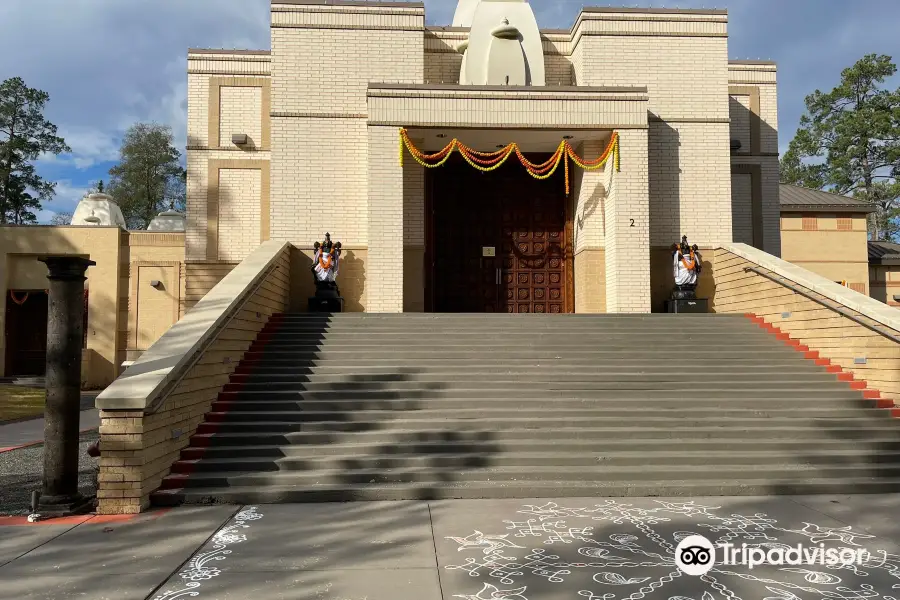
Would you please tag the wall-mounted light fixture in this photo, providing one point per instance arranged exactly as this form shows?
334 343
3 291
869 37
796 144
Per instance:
442 135
568 137
239 139
156 283
896 297
736 145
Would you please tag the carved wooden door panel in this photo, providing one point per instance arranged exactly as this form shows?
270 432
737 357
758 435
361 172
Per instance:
533 249
524 220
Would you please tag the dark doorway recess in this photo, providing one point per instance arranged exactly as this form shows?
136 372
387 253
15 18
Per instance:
26 333
526 223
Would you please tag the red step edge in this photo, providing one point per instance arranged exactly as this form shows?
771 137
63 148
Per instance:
200 441
842 376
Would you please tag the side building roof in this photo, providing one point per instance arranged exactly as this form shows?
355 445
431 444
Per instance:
800 199
884 253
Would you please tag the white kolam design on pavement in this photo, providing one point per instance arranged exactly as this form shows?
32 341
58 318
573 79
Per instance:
507 563
199 569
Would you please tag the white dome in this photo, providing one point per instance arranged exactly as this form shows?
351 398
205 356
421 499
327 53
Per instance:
99 210
504 45
169 220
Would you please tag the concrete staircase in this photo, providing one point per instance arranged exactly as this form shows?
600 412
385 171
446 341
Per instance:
419 406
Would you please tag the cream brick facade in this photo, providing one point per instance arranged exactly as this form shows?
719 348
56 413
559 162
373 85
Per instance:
341 79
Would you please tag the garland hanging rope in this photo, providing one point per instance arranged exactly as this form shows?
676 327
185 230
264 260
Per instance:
19 302
489 161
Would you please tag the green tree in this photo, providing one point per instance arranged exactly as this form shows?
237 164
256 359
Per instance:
24 135
849 142
149 177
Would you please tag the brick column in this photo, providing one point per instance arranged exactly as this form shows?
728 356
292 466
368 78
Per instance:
628 228
384 268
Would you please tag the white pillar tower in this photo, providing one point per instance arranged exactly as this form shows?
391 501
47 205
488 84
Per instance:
504 45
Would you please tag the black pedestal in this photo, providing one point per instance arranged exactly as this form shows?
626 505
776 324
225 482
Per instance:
329 305
695 305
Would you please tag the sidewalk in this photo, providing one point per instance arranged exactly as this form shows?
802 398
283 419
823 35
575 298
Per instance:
572 549
21 433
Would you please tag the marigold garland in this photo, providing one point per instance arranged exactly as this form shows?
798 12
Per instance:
490 161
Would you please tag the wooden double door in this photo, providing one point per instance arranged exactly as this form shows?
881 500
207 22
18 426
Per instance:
497 241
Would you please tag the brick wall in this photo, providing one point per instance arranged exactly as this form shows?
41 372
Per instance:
138 448
228 92
385 211
239 213
682 58
590 192
239 112
826 249
884 283
754 114
815 325
200 278
628 228
319 115
590 281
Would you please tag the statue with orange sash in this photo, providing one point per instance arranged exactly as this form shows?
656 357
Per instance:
325 266
687 264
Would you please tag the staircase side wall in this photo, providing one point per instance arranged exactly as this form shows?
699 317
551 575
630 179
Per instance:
870 356
138 449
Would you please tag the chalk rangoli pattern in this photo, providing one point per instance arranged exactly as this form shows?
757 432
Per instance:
199 569
640 562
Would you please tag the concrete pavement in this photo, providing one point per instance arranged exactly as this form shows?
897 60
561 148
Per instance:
572 549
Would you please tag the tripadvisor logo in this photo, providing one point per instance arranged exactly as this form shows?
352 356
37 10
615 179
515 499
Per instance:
696 555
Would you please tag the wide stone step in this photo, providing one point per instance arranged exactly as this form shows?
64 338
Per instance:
377 432
649 390
538 383
594 448
280 333
584 415
339 372
258 362
600 472
479 459
575 345
412 420
409 317
600 355
437 489
664 404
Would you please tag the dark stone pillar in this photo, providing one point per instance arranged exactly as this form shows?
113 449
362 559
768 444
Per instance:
65 336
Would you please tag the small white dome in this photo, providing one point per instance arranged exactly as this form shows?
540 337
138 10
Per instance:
99 210
169 220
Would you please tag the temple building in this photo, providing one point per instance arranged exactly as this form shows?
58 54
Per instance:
133 295
631 129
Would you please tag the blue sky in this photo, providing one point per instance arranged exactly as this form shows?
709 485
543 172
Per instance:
110 63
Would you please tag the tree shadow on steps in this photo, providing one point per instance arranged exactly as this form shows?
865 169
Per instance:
870 465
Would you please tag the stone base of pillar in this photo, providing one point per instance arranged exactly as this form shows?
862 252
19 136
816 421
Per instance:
64 506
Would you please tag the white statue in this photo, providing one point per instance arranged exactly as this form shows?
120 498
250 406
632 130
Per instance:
504 45
326 260
687 264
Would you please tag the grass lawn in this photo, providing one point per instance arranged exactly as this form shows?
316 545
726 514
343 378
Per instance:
20 402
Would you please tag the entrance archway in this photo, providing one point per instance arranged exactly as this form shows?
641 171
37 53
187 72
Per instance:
498 241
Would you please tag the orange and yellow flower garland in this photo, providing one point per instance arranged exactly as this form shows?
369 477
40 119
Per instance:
489 161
